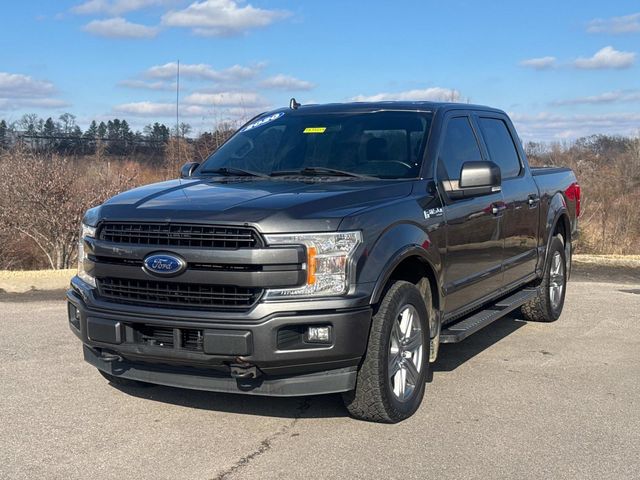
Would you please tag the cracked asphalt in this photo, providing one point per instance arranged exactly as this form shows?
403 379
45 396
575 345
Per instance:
517 400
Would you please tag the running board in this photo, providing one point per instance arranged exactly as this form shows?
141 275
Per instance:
460 330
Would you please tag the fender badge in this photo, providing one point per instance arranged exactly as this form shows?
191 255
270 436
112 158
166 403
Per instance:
432 212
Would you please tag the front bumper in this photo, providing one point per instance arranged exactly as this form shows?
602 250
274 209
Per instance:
331 381
284 365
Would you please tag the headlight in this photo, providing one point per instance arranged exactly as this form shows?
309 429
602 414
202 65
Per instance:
90 232
328 261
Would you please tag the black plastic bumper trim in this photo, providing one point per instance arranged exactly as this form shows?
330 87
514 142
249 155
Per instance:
350 331
331 381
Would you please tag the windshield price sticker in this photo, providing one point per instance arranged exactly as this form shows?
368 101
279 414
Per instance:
263 121
314 130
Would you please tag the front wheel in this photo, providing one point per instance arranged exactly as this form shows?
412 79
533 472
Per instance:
548 303
391 381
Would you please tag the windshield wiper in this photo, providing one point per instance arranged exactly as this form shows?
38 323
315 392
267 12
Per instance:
233 171
319 171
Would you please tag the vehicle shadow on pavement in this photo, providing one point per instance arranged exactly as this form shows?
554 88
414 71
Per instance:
320 406
452 355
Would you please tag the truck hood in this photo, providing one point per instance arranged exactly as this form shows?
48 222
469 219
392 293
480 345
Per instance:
272 206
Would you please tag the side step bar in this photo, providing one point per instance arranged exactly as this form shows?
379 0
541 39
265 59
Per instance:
460 330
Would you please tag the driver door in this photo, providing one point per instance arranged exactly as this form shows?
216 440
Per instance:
474 238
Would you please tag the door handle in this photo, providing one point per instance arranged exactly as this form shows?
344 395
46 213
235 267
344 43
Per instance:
533 200
498 208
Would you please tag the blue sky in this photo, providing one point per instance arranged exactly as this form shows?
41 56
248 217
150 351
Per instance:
562 69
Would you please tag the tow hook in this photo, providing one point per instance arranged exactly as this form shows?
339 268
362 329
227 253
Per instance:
110 357
244 372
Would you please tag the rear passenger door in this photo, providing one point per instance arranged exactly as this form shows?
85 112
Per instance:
520 192
474 246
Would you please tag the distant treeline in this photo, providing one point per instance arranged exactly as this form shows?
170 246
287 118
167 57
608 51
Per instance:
64 136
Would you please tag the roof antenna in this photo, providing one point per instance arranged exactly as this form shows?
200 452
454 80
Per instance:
293 105
178 109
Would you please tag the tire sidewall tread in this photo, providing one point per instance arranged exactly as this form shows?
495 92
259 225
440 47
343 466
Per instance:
372 398
539 309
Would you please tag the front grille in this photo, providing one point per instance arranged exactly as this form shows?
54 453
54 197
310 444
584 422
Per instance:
183 295
156 336
179 235
165 337
192 340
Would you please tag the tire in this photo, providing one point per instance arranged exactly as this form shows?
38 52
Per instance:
398 339
548 303
123 382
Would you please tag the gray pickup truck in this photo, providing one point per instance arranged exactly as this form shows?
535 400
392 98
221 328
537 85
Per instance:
323 249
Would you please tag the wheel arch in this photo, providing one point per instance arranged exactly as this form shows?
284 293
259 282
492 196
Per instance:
557 221
412 264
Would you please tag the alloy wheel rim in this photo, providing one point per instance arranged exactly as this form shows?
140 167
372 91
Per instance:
405 353
556 280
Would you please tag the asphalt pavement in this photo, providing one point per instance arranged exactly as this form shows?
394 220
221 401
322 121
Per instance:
516 400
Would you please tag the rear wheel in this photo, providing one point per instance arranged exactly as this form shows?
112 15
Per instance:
548 303
391 381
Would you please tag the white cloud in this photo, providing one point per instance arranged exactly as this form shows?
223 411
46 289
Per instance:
286 82
23 91
546 126
607 97
170 70
44 103
205 72
540 63
17 85
241 72
158 109
144 85
227 99
221 17
615 25
119 28
607 57
114 7
21 103
200 117
436 94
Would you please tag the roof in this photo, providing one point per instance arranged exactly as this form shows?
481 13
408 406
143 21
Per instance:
390 105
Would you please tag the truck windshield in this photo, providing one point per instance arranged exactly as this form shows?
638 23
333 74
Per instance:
383 144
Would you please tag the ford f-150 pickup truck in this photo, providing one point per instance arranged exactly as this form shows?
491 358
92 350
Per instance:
323 249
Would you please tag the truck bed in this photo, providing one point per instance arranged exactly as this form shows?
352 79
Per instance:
537 171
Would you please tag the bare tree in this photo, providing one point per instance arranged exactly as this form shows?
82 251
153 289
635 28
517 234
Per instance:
44 197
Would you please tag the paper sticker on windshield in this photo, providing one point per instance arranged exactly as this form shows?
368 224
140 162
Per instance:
314 130
263 121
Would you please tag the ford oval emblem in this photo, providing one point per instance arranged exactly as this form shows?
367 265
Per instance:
164 264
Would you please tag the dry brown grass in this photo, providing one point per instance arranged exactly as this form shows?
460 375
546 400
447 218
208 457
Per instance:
632 261
25 281
608 170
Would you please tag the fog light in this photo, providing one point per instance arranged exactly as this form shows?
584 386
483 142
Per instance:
318 335
74 316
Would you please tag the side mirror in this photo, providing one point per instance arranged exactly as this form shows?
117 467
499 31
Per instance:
477 178
188 168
